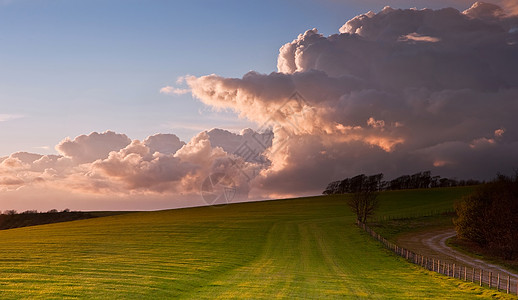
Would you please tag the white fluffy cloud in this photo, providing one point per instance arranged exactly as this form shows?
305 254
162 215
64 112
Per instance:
163 143
88 148
109 163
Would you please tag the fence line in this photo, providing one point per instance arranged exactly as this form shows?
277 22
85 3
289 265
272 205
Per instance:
480 276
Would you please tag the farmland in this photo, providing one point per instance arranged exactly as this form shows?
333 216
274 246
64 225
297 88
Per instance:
300 248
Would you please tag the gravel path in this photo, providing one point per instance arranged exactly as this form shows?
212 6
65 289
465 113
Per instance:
433 244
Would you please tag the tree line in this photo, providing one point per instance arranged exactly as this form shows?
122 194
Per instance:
421 180
12 219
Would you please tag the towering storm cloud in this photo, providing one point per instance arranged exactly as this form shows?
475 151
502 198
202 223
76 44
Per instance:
395 91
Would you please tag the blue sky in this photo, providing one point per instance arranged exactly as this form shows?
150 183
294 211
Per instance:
72 67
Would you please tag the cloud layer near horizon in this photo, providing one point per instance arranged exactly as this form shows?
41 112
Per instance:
398 91
111 163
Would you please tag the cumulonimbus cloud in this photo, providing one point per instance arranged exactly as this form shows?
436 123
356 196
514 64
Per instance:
397 91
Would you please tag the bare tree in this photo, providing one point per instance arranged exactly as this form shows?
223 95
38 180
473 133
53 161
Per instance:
363 203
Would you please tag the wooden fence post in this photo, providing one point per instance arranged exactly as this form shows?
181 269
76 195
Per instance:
481 277
508 283
498 282
465 273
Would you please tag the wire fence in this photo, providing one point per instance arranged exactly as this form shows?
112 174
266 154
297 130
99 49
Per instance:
488 278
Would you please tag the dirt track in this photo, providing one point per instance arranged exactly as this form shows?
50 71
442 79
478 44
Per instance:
433 244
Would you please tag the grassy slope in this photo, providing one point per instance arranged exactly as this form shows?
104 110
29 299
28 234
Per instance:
417 205
417 202
292 248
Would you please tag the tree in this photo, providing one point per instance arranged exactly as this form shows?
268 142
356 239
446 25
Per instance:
489 217
332 188
363 203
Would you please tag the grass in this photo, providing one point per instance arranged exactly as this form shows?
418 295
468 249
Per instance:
108 213
477 252
415 221
415 203
302 248
392 229
408 211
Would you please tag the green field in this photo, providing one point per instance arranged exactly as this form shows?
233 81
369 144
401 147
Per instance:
416 210
302 248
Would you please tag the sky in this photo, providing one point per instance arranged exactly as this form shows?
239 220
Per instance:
145 104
